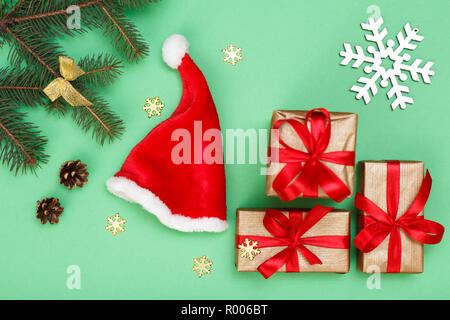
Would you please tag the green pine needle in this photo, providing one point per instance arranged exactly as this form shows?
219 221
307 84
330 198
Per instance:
124 34
105 125
100 71
21 86
58 107
21 145
39 53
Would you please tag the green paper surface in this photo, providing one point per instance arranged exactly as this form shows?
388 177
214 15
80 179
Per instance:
291 61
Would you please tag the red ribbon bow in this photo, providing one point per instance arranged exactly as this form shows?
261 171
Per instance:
378 224
288 232
307 178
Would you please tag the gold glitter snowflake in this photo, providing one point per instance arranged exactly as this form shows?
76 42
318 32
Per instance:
115 224
202 266
153 106
232 54
249 249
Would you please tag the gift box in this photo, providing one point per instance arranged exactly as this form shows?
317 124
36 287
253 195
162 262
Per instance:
314 160
391 224
292 240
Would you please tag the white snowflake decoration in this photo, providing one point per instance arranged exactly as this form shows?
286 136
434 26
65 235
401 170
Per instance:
232 54
387 53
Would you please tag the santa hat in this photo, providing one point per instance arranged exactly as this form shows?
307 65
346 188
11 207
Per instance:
185 196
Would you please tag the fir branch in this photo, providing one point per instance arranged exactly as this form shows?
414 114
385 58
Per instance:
126 37
21 86
16 6
36 50
52 8
58 107
21 145
99 71
30 27
29 12
50 19
104 123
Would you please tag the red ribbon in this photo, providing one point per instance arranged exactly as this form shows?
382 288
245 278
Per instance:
288 232
378 224
295 178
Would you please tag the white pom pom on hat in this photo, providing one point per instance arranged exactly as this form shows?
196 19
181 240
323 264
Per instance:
174 49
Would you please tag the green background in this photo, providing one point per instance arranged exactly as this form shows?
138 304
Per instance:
291 60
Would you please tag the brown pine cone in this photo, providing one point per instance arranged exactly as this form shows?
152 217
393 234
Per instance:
49 209
73 174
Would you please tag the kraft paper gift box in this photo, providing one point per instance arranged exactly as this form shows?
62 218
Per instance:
343 127
395 187
334 226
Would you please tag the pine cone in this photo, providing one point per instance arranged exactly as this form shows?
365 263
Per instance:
49 209
73 174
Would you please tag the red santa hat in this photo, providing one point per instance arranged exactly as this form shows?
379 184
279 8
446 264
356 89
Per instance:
185 196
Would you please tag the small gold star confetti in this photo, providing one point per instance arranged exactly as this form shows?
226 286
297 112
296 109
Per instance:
153 106
202 266
232 54
249 249
115 224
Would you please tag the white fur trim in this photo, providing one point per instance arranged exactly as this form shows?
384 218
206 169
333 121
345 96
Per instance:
174 49
130 191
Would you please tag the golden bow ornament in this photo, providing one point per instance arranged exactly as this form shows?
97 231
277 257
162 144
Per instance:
61 87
